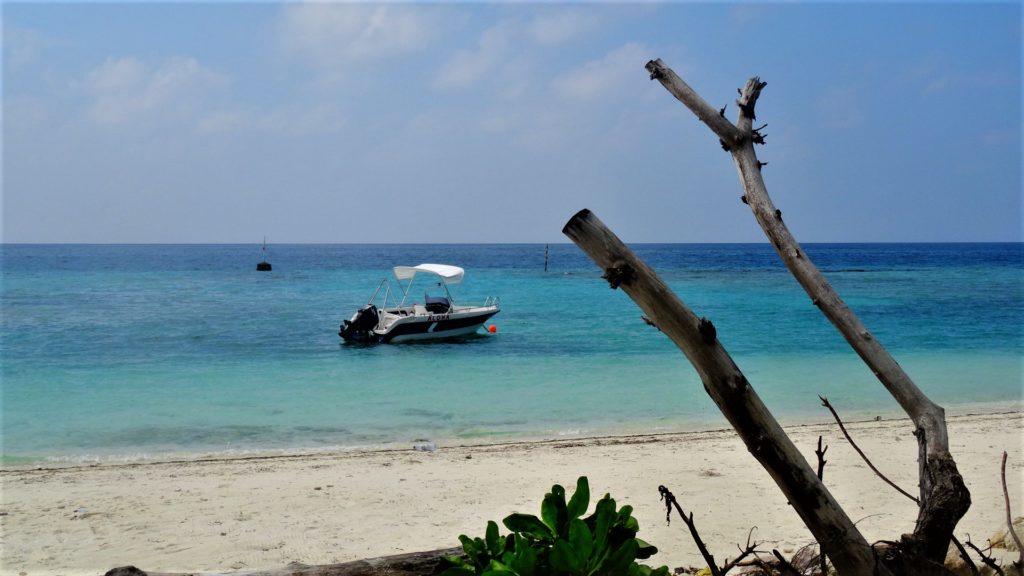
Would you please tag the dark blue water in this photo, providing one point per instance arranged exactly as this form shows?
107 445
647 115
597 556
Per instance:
112 351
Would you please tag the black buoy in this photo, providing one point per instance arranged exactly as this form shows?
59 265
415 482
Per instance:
264 266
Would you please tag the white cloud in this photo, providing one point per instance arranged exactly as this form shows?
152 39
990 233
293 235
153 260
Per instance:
562 26
509 44
126 89
600 78
496 44
293 121
20 46
841 108
331 34
952 80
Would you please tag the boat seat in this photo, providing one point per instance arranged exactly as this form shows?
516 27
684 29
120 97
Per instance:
437 304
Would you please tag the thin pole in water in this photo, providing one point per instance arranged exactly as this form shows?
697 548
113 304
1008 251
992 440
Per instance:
546 257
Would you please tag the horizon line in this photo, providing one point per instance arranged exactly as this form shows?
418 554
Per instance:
260 243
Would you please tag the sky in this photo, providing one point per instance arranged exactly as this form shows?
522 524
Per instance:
496 122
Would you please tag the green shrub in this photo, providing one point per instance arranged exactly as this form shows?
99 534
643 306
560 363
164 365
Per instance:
560 542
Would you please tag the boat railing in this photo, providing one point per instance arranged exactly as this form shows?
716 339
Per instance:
384 284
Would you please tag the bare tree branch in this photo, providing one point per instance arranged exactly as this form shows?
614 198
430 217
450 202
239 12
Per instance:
730 390
945 498
784 567
985 558
715 119
960 548
709 559
820 452
826 404
750 548
670 502
966 557
1009 517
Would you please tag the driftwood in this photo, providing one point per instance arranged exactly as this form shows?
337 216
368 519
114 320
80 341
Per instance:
1019 563
730 390
944 497
412 564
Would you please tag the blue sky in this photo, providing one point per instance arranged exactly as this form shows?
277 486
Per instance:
468 122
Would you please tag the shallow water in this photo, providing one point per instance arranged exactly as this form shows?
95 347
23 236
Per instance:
133 352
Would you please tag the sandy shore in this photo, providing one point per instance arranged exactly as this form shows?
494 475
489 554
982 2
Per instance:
243 514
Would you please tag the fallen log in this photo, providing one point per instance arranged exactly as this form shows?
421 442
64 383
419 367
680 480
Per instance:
410 564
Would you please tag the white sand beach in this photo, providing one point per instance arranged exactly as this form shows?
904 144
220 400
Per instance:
257 513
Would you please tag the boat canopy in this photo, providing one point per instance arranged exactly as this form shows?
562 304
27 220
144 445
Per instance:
450 274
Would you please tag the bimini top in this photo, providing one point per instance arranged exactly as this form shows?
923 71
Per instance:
450 274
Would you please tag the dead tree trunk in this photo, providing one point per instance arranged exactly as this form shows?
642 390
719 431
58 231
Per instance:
411 564
735 397
944 497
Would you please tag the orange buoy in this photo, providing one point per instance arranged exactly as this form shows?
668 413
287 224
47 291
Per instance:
492 329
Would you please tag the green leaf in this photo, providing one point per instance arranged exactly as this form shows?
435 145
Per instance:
494 543
632 525
496 568
528 525
525 560
469 546
581 540
553 511
639 570
644 570
619 560
476 550
459 571
603 519
454 560
566 559
580 498
626 520
646 550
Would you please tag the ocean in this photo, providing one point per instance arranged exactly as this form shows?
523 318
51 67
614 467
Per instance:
138 352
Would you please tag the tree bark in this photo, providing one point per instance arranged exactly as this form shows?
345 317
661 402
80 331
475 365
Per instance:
412 564
730 390
944 497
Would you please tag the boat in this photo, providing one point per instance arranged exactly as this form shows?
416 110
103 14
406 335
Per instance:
264 266
437 317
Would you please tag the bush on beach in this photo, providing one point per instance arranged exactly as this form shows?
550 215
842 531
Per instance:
561 542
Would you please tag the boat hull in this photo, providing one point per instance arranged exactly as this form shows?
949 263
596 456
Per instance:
412 328
440 327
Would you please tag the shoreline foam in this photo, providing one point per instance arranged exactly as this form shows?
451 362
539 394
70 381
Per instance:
262 512
140 457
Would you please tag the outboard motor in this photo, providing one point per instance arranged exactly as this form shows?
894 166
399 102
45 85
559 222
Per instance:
360 327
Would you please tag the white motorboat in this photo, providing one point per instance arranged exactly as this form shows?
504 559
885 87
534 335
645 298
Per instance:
437 317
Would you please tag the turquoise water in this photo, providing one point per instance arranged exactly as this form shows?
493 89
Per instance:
114 352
